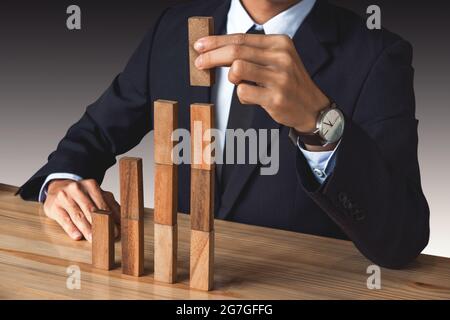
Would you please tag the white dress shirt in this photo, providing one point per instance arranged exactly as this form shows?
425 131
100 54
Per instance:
239 21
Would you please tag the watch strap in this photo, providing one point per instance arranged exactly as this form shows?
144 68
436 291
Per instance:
312 138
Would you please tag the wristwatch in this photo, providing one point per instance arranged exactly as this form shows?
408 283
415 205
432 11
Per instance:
329 128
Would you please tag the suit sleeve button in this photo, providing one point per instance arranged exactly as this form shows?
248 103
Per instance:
358 215
342 197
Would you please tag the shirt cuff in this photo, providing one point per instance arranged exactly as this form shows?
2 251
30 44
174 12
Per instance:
55 176
322 163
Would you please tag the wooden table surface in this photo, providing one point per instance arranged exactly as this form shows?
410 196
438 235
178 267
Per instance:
250 263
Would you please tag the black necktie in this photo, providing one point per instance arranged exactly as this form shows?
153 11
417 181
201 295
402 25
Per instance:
240 117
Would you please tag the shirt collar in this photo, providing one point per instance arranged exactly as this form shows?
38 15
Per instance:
286 22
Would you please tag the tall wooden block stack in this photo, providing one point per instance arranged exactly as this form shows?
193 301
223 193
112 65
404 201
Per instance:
132 216
202 167
202 198
166 192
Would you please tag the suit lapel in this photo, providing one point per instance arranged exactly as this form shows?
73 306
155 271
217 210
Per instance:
317 29
311 39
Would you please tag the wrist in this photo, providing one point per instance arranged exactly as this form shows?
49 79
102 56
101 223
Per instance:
309 123
56 184
329 129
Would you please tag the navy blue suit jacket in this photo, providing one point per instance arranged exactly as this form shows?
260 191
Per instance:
374 196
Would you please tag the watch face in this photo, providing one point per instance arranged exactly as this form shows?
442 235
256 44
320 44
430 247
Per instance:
331 126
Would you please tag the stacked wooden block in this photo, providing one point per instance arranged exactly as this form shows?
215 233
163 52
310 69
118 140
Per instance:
202 167
132 224
132 216
202 198
166 192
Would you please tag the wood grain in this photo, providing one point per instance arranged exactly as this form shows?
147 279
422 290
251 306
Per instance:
202 260
166 194
251 263
102 240
132 236
202 200
131 188
165 123
132 216
199 27
202 120
166 245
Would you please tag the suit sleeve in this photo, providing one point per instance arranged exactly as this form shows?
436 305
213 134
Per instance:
374 193
112 125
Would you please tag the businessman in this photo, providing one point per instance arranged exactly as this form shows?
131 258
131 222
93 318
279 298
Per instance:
341 95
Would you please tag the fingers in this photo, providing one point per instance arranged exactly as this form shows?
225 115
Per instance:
95 193
251 94
113 205
252 40
77 216
83 200
104 201
225 56
222 51
63 219
115 210
71 204
246 71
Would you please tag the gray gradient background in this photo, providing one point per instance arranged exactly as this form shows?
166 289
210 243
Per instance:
48 75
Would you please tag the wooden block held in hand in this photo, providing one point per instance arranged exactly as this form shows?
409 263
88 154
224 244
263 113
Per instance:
202 260
166 245
166 194
199 27
165 122
202 200
102 240
202 120
131 188
132 247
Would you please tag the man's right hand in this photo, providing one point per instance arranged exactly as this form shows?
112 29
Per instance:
71 203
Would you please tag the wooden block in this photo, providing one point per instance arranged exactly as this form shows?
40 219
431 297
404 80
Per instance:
202 200
199 27
202 260
202 120
132 216
166 194
102 240
165 258
132 247
131 188
165 122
